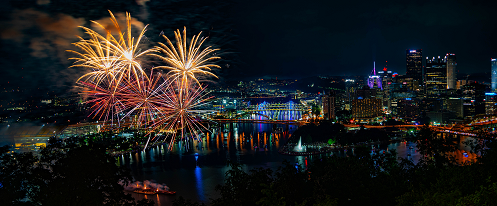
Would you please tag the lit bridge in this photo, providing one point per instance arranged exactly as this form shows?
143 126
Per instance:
288 111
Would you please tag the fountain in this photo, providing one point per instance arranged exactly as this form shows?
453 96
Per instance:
299 146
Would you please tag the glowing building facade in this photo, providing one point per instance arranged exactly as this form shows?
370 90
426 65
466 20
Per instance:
366 108
451 70
329 105
490 103
414 67
374 81
436 75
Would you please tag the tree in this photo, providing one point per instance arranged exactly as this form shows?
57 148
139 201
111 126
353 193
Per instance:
331 141
434 147
67 172
316 110
243 188
17 177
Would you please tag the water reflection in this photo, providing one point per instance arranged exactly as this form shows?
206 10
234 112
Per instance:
195 172
253 145
200 188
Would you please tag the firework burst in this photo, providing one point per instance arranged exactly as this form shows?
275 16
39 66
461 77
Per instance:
118 88
111 57
144 99
105 100
182 110
96 57
187 61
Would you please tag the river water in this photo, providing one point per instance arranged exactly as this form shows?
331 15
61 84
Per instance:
194 171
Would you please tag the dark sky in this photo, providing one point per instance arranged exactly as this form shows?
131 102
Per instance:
258 38
301 38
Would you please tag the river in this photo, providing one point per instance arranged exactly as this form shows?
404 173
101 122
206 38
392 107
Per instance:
194 172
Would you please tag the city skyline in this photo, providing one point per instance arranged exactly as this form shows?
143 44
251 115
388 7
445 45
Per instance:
257 39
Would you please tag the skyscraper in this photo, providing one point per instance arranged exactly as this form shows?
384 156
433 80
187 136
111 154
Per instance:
493 63
374 81
436 75
329 105
451 70
414 66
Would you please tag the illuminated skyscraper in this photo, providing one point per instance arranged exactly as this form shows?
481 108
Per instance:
329 105
451 70
414 66
490 103
494 74
374 81
436 75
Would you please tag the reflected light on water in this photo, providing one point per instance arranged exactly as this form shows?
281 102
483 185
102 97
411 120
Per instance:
200 185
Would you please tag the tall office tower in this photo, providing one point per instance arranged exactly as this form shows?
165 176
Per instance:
451 70
414 67
436 75
386 77
493 62
329 105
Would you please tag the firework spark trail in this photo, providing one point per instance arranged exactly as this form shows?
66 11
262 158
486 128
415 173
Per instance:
96 57
105 99
143 98
180 110
111 56
186 62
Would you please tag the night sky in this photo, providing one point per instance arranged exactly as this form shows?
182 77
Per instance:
258 38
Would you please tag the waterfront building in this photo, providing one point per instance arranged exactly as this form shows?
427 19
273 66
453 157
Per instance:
414 67
451 70
366 109
490 103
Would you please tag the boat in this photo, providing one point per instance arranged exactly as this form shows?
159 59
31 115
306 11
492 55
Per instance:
145 191
152 191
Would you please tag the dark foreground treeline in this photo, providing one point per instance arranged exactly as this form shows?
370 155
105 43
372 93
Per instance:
78 172
73 171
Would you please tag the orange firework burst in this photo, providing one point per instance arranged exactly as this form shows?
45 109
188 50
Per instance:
187 62
109 57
